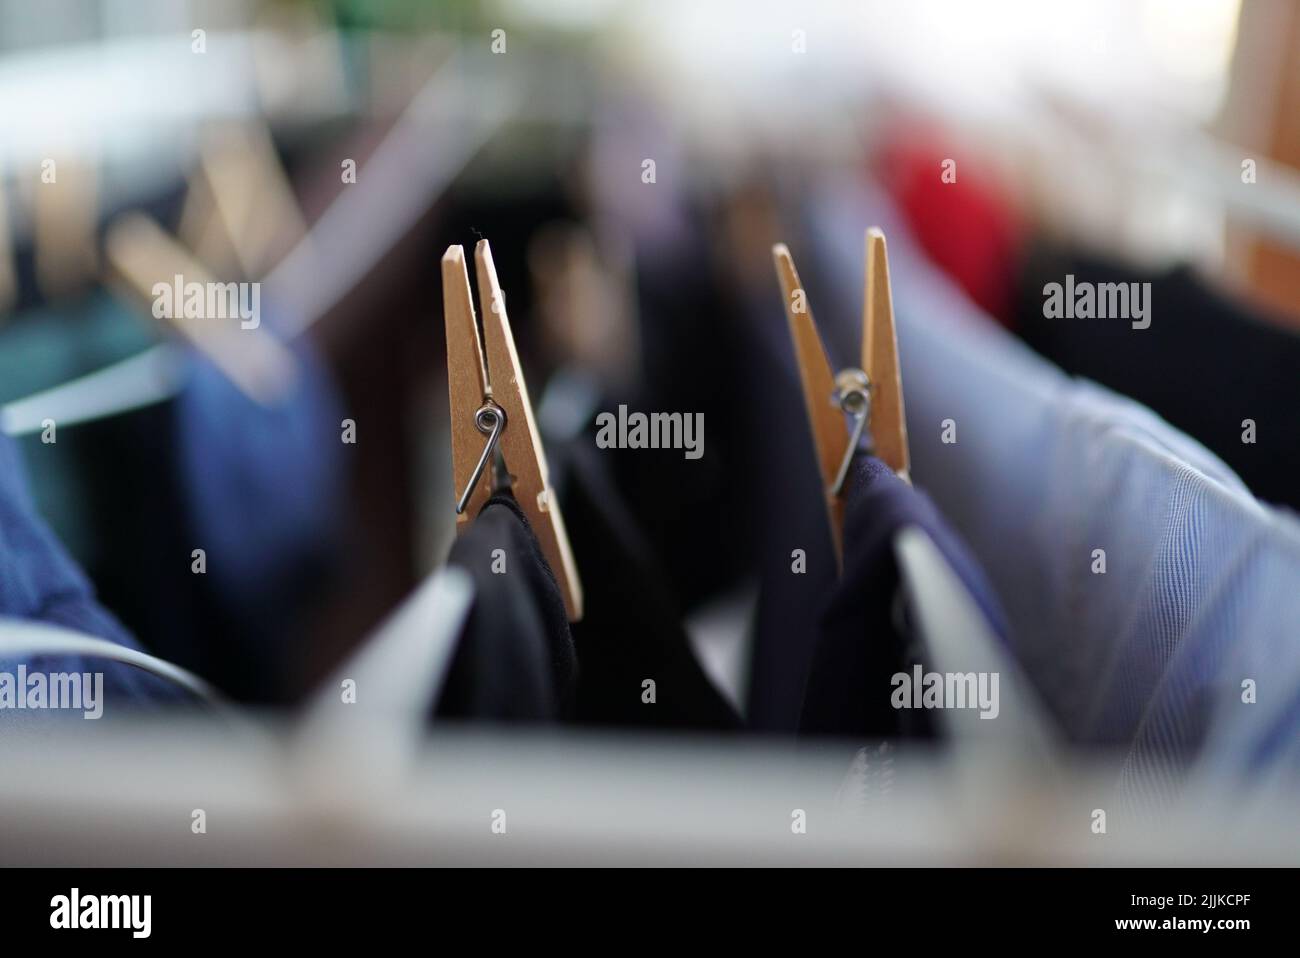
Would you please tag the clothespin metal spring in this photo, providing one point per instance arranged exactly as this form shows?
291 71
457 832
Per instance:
853 396
490 419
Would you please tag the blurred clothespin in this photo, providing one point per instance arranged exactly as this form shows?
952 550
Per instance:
240 214
490 409
65 216
8 274
871 397
583 291
160 274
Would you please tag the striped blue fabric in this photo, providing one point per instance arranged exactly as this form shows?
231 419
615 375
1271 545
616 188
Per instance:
1201 590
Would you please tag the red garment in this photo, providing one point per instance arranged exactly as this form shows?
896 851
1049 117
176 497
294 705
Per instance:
968 227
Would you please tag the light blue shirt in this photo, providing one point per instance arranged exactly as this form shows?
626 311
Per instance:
1201 589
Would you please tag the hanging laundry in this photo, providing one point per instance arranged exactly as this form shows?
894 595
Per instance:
631 632
841 682
796 558
41 583
783 506
515 659
1143 584
963 219
682 502
260 483
220 517
865 634
1212 366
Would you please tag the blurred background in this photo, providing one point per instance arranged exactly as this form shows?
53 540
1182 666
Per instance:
1111 129
632 165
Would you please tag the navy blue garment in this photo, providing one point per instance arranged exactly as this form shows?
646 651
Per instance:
790 515
515 659
40 582
261 484
259 488
865 634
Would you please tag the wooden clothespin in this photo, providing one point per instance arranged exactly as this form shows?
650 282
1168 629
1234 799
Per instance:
872 396
65 213
490 407
144 259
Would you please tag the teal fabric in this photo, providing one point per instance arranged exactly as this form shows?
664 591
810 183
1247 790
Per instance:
46 347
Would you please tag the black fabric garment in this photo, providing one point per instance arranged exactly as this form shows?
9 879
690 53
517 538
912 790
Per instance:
865 633
515 658
1205 363
631 627
690 509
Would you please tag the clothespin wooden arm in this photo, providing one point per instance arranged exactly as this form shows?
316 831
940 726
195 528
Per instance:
827 397
829 433
64 216
479 372
468 387
880 361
